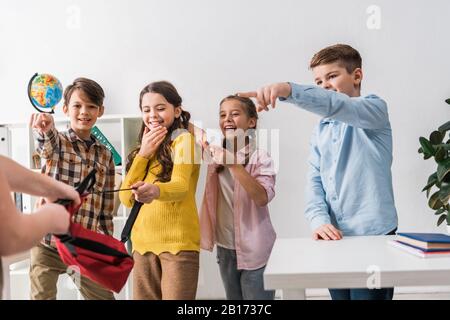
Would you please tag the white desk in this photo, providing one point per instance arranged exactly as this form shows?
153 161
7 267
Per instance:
6 263
353 262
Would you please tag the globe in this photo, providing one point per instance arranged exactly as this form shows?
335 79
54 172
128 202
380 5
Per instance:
44 91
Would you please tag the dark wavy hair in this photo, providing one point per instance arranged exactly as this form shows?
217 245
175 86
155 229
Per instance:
164 152
250 110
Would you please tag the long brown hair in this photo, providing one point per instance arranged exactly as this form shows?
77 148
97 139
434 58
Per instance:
164 152
250 111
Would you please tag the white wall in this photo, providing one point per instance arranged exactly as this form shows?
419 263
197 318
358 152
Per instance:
210 49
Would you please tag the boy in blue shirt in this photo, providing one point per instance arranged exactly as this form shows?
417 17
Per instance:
349 189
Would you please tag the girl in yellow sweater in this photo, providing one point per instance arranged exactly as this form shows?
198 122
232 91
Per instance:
165 236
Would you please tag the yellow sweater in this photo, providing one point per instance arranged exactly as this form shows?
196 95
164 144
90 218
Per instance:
170 223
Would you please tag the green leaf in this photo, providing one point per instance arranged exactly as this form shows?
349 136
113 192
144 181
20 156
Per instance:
441 219
427 156
448 100
445 146
432 177
443 169
445 127
444 194
434 202
440 155
420 150
431 182
436 137
426 146
438 212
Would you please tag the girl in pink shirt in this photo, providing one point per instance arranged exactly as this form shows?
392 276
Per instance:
234 214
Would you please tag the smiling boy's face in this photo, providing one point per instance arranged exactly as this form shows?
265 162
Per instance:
82 113
334 76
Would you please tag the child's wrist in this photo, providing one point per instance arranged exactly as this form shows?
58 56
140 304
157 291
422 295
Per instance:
156 191
145 155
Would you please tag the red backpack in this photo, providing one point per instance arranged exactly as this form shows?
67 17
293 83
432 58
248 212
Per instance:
99 257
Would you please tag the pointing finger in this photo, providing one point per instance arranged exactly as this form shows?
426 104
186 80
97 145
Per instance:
250 94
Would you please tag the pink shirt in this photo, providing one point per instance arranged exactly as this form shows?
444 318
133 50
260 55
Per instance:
254 233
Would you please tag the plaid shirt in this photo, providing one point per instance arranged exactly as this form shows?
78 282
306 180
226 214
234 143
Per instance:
69 159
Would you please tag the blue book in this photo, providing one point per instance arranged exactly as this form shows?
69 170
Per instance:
425 240
419 252
422 249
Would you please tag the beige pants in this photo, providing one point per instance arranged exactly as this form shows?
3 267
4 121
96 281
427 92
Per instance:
45 268
165 276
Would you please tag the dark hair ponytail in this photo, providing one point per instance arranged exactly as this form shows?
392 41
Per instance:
164 153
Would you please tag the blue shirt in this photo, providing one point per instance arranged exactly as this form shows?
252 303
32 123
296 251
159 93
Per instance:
349 180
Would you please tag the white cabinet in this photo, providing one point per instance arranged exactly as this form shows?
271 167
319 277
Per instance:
16 141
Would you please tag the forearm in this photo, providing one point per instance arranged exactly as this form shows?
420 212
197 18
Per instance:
22 231
21 179
367 113
316 208
256 192
174 190
18 231
135 174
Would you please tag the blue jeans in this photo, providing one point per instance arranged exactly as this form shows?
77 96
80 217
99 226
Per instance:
241 284
363 294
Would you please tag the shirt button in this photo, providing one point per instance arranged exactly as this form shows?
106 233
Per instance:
334 198
334 140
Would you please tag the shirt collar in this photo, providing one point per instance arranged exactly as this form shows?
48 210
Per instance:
74 138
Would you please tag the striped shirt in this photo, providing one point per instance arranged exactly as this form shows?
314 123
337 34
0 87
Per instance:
69 159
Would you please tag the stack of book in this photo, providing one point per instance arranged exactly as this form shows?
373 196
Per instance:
424 245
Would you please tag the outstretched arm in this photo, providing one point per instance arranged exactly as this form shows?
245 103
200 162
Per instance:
20 179
19 232
367 113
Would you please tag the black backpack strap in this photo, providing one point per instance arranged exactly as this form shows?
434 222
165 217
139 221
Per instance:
125 236
90 245
126 231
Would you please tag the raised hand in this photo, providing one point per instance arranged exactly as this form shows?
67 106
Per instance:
151 141
63 191
224 157
43 122
268 95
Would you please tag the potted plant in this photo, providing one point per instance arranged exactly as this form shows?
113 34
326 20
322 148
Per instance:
438 147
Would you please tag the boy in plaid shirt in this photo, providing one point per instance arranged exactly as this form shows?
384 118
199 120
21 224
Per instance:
69 157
